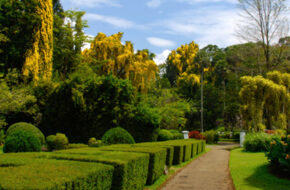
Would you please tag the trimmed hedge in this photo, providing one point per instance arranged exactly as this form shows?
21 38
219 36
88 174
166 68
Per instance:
157 160
24 171
130 172
22 141
22 126
169 151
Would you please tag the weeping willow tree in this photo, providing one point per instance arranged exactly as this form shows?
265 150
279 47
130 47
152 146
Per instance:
265 101
38 61
112 57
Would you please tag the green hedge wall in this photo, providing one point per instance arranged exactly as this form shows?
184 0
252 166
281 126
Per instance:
131 169
157 158
22 171
169 151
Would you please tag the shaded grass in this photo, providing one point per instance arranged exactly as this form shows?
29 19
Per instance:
1 149
172 171
250 171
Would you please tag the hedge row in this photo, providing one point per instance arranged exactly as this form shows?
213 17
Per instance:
120 167
20 171
130 169
156 163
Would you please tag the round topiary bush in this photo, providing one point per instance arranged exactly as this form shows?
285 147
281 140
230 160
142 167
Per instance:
117 135
57 142
22 126
164 135
22 141
176 134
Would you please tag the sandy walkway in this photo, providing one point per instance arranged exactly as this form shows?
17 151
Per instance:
208 172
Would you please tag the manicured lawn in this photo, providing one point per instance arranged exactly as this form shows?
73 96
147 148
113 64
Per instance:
171 172
250 171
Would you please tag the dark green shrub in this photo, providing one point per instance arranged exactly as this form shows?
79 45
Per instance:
73 106
164 135
50 142
210 136
28 172
157 160
57 142
256 142
279 155
176 134
22 126
22 141
131 169
92 141
117 135
2 137
144 125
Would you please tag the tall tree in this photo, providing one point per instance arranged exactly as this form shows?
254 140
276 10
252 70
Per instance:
18 20
263 21
38 61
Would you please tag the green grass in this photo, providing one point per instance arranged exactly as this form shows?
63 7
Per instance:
250 171
171 172
1 149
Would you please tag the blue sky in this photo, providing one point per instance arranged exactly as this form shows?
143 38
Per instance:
161 25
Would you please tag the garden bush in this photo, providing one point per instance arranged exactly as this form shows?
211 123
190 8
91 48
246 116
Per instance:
25 171
195 135
157 160
117 135
76 145
92 141
176 134
2 137
164 135
22 126
22 141
131 169
256 142
279 154
57 142
210 136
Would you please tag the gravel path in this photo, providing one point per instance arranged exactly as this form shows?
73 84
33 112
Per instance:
208 172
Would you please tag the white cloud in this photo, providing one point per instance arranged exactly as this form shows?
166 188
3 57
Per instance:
93 3
160 42
161 58
154 3
207 25
115 21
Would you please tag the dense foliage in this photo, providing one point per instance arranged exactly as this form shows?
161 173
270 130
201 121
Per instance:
256 142
26 127
164 135
22 141
279 154
57 142
117 135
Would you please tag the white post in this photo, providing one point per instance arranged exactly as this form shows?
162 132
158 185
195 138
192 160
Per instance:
242 138
185 134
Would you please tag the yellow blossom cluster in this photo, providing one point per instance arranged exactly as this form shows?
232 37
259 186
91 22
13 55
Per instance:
121 61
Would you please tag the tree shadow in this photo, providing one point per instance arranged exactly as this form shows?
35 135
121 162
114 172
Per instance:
263 179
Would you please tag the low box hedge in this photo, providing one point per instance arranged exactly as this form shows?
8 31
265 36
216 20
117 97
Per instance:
131 169
157 160
169 151
24 171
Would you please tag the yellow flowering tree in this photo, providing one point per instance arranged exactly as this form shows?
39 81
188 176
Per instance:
38 61
181 60
119 59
